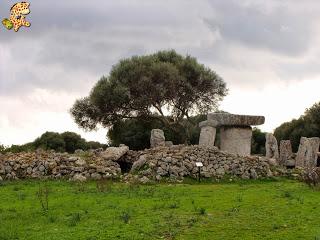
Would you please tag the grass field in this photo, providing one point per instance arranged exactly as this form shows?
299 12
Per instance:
281 209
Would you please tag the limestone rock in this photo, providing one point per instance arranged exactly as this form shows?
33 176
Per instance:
139 164
144 180
79 178
307 154
168 143
157 138
114 153
236 140
285 152
80 162
227 119
272 150
208 133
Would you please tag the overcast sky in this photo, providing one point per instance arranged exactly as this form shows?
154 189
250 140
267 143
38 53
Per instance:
268 52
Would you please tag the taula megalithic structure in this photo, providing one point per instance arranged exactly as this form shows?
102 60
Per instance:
235 131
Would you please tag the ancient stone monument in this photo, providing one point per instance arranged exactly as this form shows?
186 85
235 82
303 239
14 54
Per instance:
285 152
308 152
272 150
235 131
157 138
208 133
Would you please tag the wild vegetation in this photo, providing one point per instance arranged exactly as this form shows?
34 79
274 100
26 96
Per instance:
308 125
64 142
278 209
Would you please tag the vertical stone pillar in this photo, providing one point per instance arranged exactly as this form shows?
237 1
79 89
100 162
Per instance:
285 152
157 138
307 155
272 150
236 140
208 133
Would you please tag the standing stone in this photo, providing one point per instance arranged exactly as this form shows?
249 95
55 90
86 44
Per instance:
272 150
285 152
208 133
307 155
236 131
157 138
236 140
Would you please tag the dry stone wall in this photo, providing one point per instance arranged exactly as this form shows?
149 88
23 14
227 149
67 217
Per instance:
178 162
174 163
56 165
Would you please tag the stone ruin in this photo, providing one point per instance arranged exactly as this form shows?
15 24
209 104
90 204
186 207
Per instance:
272 150
306 157
235 132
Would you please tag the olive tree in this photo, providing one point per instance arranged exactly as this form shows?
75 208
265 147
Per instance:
164 86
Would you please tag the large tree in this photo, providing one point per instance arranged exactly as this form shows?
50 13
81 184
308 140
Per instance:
164 86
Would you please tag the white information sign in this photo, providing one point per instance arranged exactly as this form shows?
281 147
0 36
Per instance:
199 164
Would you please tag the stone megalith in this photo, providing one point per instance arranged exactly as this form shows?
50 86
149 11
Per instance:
307 155
157 138
272 150
236 140
285 152
208 133
235 131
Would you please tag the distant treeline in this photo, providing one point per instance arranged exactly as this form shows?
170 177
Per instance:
60 142
308 125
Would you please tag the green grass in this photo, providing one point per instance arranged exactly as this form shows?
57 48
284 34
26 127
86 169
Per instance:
281 209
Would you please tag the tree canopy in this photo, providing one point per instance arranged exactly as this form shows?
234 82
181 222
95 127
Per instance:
308 125
164 86
60 142
135 133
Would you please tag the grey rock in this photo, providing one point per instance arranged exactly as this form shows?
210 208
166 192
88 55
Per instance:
236 140
144 180
95 176
207 134
307 154
272 150
80 162
41 168
78 151
137 165
227 119
285 151
290 163
114 153
157 138
79 178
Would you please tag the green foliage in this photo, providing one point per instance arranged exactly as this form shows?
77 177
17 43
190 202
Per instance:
165 86
64 142
73 142
308 125
2 148
135 133
258 142
50 140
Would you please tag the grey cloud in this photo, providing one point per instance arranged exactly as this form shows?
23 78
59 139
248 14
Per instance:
283 28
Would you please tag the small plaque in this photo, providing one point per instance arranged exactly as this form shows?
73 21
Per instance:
199 164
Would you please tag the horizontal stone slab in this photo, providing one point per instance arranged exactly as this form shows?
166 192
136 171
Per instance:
208 123
227 119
